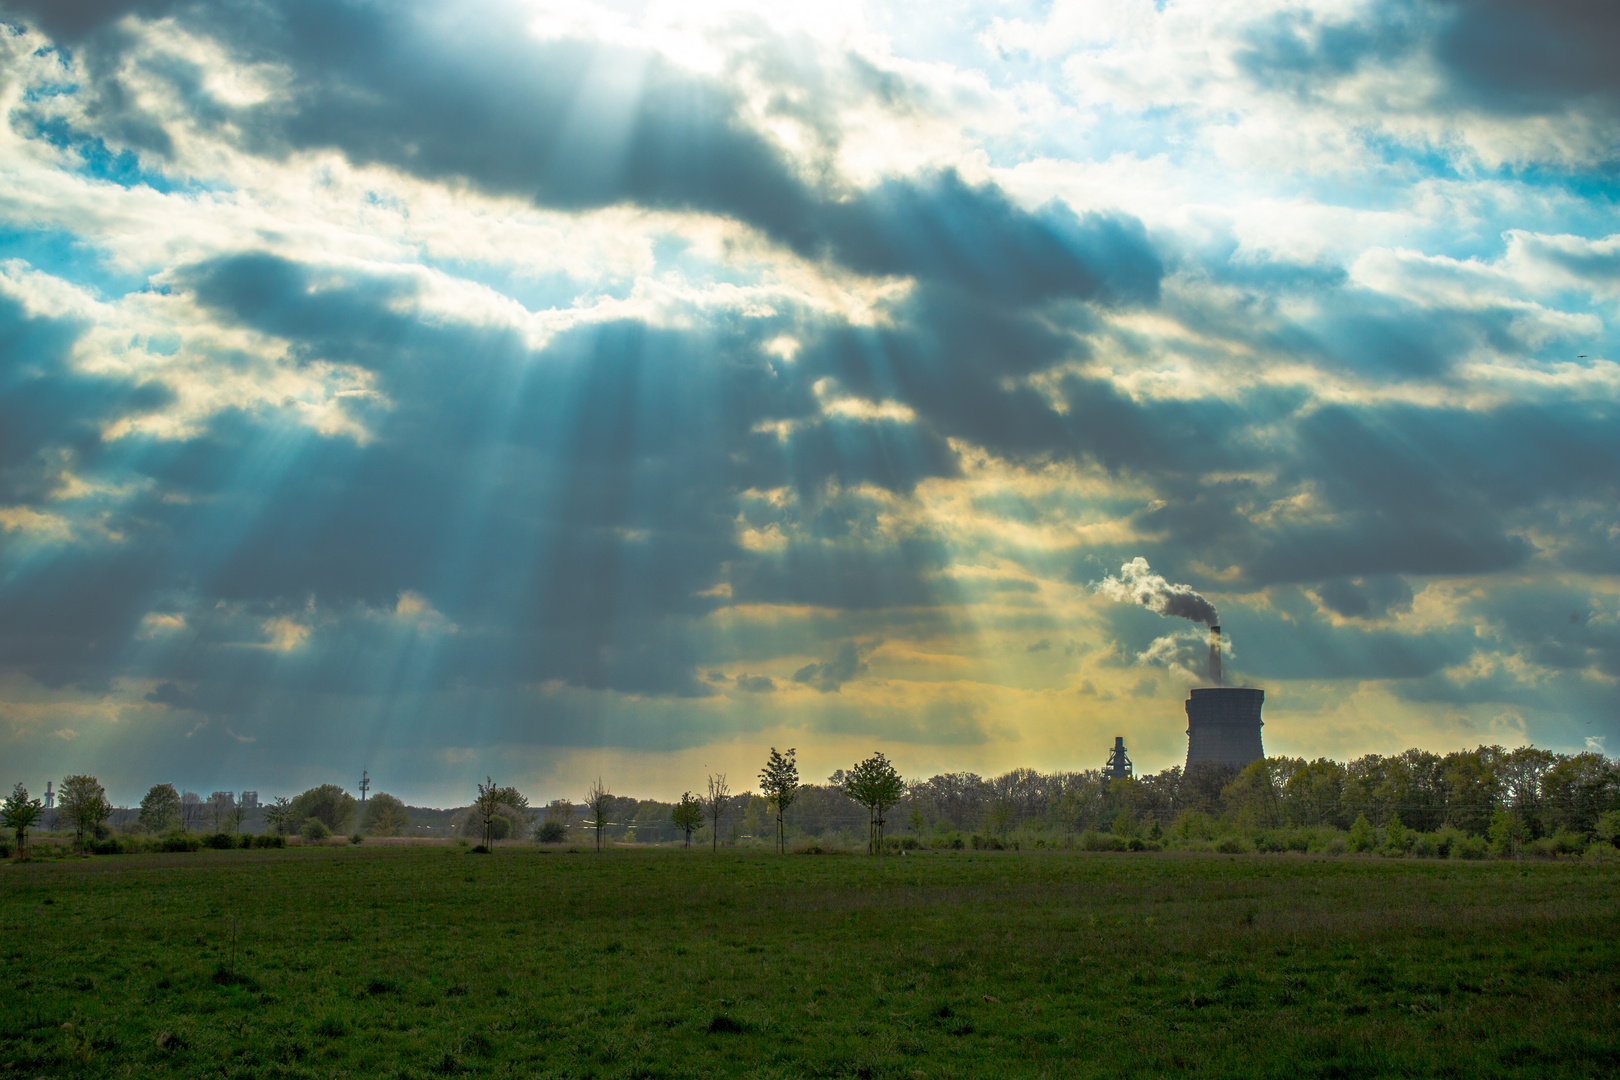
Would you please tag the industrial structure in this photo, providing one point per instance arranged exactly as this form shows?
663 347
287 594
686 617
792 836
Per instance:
1119 766
1223 722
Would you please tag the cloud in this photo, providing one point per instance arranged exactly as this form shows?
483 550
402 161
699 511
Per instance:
830 677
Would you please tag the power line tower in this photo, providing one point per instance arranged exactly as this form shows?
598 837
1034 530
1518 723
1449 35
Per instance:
365 786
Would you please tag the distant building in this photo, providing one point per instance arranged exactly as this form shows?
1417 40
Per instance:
248 800
1119 766
1223 724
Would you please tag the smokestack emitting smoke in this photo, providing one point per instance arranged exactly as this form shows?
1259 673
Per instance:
1215 656
1138 584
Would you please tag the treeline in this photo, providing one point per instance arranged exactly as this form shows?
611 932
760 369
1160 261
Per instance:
1466 802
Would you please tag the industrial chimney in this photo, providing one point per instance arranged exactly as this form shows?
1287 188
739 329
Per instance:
1215 655
1119 766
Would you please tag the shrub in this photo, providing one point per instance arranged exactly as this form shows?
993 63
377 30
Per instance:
551 832
315 829
220 841
110 846
1361 835
479 849
357 839
1608 827
1231 845
1469 847
180 841
269 840
1427 846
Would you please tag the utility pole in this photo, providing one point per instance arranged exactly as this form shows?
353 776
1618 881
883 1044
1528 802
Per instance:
365 786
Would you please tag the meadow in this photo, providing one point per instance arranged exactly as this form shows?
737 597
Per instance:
420 961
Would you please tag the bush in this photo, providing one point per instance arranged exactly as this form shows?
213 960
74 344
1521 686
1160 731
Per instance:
315 829
269 840
1231 845
245 840
551 832
110 846
357 839
180 841
1361 837
479 849
1427 846
1469 847
220 841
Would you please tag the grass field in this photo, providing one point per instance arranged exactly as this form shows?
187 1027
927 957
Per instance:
424 961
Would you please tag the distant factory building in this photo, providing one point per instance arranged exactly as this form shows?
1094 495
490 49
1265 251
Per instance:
1119 766
1223 722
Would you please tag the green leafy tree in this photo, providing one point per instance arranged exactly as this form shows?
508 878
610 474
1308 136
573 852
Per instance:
18 813
160 809
1397 837
279 816
688 815
1507 833
1361 834
715 806
876 785
599 804
315 829
334 806
83 802
487 806
385 816
779 783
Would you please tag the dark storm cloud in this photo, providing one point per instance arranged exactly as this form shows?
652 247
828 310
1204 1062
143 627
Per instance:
1366 598
448 95
830 677
1512 57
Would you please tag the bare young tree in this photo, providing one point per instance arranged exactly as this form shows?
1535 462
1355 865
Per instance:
779 783
688 815
598 801
220 805
715 805
279 816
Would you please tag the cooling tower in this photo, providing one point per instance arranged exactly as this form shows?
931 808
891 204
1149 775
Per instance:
1223 724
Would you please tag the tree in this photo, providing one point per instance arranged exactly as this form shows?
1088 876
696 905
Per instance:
160 810
331 804
220 805
385 816
18 813
779 783
559 820
876 785
83 802
1361 834
191 811
280 816
715 805
599 802
688 815
488 805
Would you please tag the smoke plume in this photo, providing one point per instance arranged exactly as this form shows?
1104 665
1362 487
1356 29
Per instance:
1138 584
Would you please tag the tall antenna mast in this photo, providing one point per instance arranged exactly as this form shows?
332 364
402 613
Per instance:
365 786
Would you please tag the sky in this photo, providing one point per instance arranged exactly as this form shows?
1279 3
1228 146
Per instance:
559 390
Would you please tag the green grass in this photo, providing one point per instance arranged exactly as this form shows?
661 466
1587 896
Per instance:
427 961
